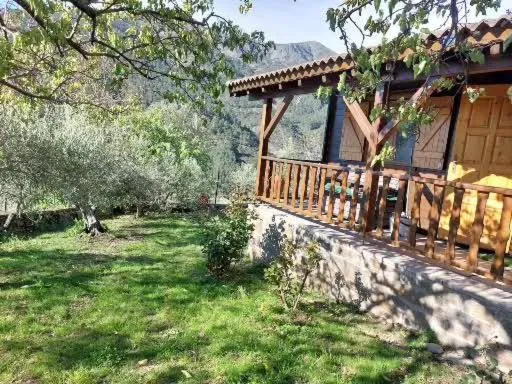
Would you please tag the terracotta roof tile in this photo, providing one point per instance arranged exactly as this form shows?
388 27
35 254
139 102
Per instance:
483 32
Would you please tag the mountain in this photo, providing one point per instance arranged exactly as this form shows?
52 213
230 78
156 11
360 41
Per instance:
284 55
298 134
287 55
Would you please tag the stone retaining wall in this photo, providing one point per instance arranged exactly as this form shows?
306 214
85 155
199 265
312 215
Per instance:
464 311
33 221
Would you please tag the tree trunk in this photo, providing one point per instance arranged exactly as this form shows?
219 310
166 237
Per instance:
92 224
11 217
140 211
8 221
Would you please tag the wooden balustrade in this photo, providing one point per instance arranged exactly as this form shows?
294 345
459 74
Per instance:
318 190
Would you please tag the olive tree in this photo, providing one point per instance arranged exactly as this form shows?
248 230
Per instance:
90 161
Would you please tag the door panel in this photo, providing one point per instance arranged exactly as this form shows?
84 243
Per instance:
352 142
430 148
429 151
483 155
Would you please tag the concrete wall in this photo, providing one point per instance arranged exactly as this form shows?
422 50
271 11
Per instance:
463 311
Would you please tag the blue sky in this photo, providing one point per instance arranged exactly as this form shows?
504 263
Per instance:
286 21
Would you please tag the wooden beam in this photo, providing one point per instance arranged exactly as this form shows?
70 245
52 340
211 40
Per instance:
493 63
371 181
278 116
420 96
362 121
263 146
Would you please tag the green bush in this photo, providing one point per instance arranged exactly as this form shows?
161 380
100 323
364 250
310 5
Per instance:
288 276
227 236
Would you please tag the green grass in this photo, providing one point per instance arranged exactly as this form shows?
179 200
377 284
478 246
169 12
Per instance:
137 306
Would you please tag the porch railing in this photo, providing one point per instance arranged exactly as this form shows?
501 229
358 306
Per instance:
333 194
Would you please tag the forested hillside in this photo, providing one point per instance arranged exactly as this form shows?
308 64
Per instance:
299 135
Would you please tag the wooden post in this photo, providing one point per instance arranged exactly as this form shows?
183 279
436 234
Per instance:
454 224
287 184
371 181
433 217
273 181
321 193
476 232
399 207
382 206
312 186
279 182
332 195
354 202
263 145
498 266
295 184
303 188
267 179
415 212
343 198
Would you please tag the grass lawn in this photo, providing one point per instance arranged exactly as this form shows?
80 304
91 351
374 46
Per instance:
137 306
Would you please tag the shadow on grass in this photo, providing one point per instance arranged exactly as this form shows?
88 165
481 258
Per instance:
147 299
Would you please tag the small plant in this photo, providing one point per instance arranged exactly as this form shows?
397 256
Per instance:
290 277
487 369
227 236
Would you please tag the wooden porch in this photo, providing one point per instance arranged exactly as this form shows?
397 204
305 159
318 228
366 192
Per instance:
333 194
451 202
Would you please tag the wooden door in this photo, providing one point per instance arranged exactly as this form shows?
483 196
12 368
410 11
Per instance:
430 151
482 155
430 148
352 141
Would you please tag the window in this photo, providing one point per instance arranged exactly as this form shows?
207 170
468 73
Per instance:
405 148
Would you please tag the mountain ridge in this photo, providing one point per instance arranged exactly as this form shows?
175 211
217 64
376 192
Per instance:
283 56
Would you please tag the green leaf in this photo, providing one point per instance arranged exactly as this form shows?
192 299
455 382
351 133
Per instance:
507 43
477 56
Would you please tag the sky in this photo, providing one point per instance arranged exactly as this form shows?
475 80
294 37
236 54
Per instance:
286 21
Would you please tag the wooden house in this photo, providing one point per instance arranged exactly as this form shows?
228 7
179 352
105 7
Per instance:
453 181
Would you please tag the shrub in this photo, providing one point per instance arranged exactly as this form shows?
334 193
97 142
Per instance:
288 276
227 236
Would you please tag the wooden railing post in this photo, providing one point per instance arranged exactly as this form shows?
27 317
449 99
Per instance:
476 232
312 187
399 207
279 181
415 212
433 217
332 195
303 187
502 236
454 224
321 192
288 175
267 179
295 185
273 181
382 206
263 145
343 198
354 202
